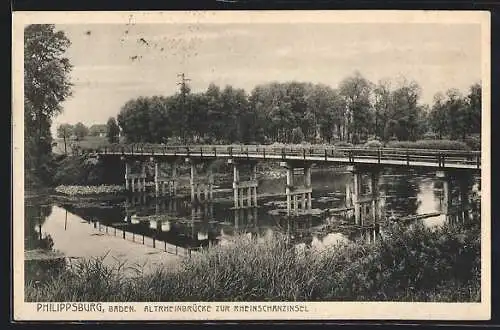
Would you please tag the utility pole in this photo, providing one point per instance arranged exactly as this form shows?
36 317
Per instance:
182 83
184 91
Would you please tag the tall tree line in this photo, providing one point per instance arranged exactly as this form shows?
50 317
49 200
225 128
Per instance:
294 112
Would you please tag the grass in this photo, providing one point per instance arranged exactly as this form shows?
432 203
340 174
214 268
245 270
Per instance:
408 264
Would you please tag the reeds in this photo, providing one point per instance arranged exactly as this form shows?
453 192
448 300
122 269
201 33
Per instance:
406 264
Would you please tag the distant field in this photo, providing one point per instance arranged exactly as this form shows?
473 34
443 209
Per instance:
87 142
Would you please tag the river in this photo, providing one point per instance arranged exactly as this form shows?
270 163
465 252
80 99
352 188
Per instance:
143 230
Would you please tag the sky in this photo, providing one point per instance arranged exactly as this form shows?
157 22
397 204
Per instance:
114 63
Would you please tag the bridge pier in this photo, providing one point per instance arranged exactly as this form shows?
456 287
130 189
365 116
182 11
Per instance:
135 181
165 185
447 197
201 188
293 192
366 206
455 209
244 192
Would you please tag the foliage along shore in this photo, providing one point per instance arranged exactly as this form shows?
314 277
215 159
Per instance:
405 264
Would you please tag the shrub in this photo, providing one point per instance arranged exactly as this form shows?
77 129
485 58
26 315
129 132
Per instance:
375 144
85 170
343 144
429 144
430 136
406 264
474 142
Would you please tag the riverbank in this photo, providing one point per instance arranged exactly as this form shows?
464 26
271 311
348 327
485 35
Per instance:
406 264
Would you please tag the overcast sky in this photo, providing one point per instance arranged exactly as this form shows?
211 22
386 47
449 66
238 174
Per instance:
112 64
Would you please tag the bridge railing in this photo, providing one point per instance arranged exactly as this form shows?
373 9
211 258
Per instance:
294 152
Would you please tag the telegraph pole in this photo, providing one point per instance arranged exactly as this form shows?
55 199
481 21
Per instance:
183 84
184 91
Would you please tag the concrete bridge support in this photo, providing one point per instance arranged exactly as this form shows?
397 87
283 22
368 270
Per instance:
293 192
135 182
244 192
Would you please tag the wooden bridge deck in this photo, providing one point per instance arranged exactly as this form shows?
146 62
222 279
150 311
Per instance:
446 159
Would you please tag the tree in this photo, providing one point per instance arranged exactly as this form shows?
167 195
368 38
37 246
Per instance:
98 130
80 131
473 101
64 131
383 107
297 136
46 85
455 108
438 118
113 130
356 91
406 109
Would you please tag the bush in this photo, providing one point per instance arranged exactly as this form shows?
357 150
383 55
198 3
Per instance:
406 264
474 142
375 144
429 144
430 136
86 170
343 144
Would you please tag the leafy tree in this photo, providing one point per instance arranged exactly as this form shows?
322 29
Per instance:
356 91
297 135
64 131
46 85
80 131
97 129
473 103
456 112
383 107
113 130
438 119
406 109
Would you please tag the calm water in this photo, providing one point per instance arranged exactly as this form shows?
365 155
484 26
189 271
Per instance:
146 227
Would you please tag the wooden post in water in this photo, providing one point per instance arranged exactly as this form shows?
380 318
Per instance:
143 178
289 188
210 184
307 173
236 180
254 178
447 198
127 174
192 181
375 181
464 198
157 182
355 196
174 179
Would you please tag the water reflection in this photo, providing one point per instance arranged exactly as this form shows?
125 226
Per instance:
178 224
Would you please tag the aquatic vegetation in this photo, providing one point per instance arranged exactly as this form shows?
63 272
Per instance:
89 190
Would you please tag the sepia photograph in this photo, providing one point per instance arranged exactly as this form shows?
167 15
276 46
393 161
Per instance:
251 165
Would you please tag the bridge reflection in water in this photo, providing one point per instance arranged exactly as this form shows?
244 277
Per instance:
180 225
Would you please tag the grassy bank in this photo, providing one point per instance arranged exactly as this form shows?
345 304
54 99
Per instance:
407 264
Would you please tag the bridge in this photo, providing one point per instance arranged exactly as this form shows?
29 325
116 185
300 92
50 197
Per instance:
452 159
360 161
